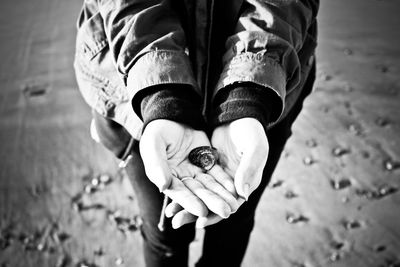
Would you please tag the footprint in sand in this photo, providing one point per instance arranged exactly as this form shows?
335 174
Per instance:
32 90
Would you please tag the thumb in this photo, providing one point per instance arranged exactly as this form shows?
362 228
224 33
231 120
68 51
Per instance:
153 153
249 173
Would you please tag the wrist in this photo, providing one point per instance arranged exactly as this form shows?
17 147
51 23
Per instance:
233 103
178 103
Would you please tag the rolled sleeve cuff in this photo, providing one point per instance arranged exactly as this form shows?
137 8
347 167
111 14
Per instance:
241 102
175 103
258 69
160 67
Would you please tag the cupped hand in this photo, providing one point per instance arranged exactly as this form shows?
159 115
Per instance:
164 148
243 149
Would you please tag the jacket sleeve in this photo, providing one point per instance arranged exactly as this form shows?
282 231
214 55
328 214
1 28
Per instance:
147 43
264 53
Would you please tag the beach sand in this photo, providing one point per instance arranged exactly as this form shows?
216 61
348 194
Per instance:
333 201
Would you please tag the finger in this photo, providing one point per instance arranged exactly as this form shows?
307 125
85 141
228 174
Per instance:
181 194
223 178
202 222
213 202
172 209
211 184
153 154
249 173
212 218
181 218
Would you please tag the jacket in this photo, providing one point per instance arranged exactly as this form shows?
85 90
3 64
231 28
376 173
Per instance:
125 48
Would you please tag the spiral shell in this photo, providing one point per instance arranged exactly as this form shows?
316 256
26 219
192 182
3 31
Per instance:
204 157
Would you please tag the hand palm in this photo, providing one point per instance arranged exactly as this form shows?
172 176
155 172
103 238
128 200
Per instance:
165 146
179 143
243 150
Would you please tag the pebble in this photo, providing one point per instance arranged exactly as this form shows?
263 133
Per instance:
340 151
391 165
125 224
335 256
355 129
340 184
292 218
95 181
89 189
203 157
378 193
40 246
114 214
345 199
387 190
348 225
105 179
77 206
119 261
308 161
29 241
76 202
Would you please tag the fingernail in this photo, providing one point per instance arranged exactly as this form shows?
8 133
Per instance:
176 225
164 186
246 191
226 212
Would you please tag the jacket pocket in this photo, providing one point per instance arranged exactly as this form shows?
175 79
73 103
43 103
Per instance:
91 38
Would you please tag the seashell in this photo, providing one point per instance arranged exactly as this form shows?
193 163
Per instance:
203 157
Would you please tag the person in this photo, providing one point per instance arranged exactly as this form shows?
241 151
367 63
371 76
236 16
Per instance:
165 77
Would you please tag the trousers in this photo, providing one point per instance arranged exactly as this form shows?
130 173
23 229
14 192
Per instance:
224 243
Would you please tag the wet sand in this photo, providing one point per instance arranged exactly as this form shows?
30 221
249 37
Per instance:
334 199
